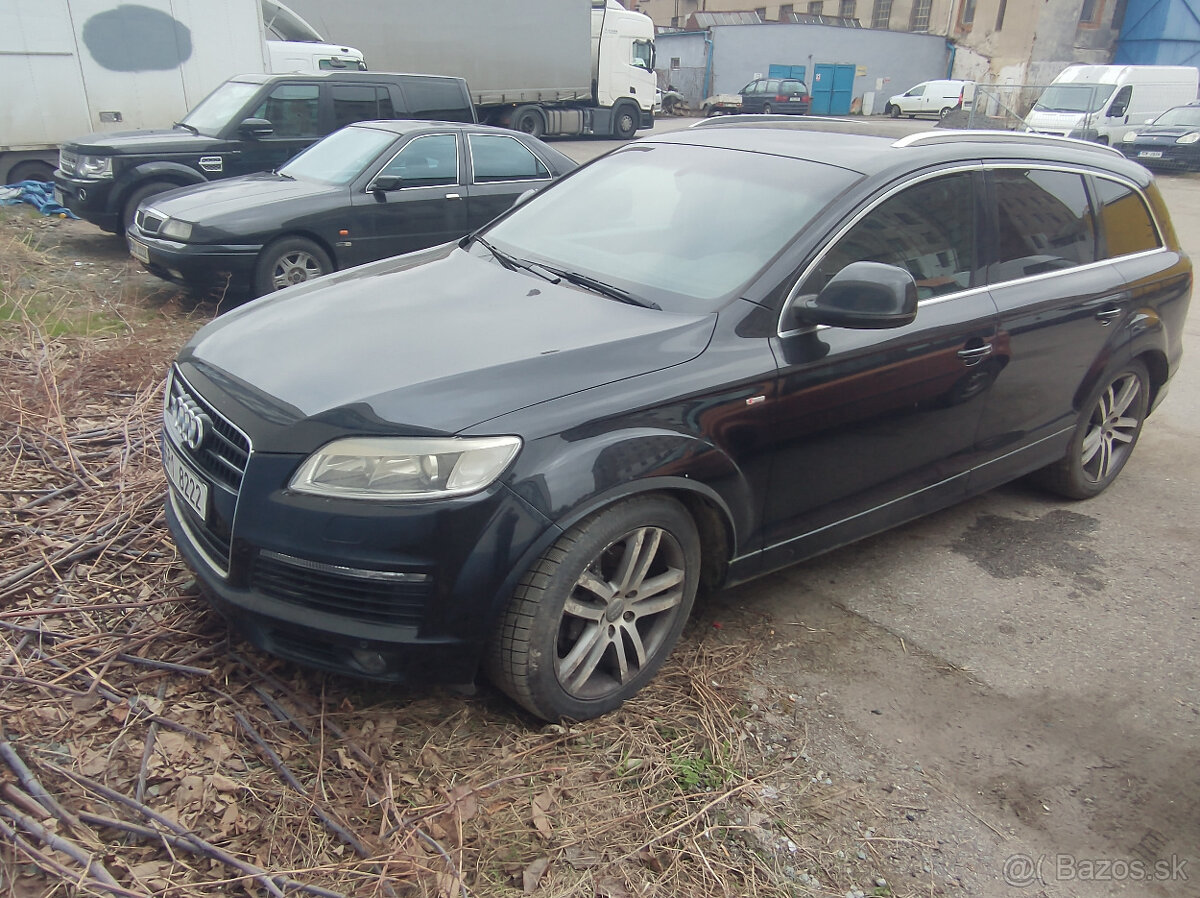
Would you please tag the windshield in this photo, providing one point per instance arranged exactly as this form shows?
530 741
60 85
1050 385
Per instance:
1180 116
683 227
218 108
340 157
1074 97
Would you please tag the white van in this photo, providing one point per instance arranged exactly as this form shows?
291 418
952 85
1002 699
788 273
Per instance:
310 56
1099 102
931 98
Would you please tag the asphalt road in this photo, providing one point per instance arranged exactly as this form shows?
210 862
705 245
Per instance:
1018 676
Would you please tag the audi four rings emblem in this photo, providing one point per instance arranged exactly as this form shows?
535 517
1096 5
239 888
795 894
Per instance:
189 424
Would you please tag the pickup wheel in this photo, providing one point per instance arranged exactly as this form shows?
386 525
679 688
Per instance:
1105 434
626 118
592 621
289 261
140 194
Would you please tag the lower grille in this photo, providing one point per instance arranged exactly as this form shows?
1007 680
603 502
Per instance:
397 599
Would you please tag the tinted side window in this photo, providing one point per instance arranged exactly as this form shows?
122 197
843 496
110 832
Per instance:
1044 223
426 161
928 229
360 103
436 98
1126 222
292 109
500 158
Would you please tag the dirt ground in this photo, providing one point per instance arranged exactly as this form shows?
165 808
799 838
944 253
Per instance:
798 743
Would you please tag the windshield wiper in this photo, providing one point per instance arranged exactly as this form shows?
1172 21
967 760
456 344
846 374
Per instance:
512 263
597 286
191 128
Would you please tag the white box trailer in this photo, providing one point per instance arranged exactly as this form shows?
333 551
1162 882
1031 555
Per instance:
567 67
74 67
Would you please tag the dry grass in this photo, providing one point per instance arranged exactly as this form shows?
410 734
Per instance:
146 756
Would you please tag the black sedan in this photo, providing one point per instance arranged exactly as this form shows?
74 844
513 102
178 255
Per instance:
1171 141
701 357
368 191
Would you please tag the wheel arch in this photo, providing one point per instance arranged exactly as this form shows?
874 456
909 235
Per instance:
176 173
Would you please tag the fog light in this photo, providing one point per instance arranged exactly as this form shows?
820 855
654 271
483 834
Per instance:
370 662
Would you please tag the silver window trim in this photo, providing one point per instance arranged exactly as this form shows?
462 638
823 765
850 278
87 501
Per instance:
1070 168
458 181
549 176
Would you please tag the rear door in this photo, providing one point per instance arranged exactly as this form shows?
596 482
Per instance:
1060 303
501 169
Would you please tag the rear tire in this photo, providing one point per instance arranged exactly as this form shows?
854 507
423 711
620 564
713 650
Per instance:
945 111
766 110
31 170
528 120
1105 434
287 262
591 622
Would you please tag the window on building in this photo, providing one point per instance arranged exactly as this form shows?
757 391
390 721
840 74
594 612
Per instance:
919 21
966 12
1091 12
846 8
816 7
762 12
881 15
675 62
785 11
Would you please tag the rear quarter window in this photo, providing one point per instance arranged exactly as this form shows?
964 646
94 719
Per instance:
1126 222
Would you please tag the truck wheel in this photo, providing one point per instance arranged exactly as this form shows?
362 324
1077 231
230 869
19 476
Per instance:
591 622
135 199
289 261
626 119
32 170
528 120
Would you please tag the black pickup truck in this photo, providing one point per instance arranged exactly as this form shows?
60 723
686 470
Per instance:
250 123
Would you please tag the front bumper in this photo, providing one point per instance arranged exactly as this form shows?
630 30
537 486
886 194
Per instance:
397 592
195 264
90 200
1178 157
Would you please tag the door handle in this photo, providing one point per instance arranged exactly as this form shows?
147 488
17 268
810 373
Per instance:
453 196
1107 316
975 354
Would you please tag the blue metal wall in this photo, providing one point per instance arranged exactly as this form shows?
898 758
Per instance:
1160 32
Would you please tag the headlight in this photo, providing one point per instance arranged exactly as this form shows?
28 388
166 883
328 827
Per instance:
174 229
1189 138
94 168
399 468
1129 137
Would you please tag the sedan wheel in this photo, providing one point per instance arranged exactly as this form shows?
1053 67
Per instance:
593 620
288 262
1105 435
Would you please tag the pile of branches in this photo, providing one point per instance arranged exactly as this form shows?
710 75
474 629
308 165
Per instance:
141 754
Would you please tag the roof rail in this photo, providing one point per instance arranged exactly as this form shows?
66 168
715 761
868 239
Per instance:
933 138
748 120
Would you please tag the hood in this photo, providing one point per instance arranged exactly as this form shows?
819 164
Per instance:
117 143
438 346
241 199
1165 132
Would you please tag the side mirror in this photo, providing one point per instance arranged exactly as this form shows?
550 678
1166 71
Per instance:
386 183
256 128
863 295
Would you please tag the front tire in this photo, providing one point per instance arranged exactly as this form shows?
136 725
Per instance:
1105 434
289 261
893 110
626 119
593 620
137 197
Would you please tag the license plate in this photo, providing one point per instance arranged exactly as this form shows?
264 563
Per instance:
187 483
59 198
1150 154
139 250
795 99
